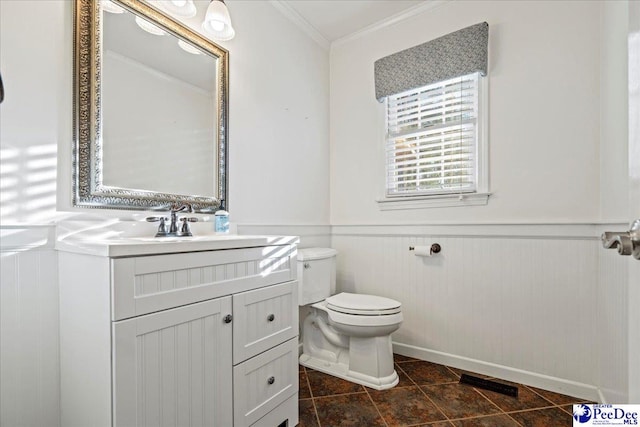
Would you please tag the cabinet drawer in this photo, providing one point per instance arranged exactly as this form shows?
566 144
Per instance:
286 415
262 383
264 318
147 284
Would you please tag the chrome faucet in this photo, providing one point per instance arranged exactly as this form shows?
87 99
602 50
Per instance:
175 208
184 231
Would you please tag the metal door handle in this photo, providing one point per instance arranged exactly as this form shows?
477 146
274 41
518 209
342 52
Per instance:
626 242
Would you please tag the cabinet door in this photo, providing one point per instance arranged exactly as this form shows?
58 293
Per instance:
173 368
264 318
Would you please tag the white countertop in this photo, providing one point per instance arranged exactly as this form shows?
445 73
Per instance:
135 246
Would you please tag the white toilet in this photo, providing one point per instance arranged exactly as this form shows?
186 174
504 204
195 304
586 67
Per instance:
345 335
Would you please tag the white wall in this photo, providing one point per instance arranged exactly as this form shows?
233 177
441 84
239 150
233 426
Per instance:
612 294
614 128
278 129
279 120
502 299
35 116
278 148
543 103
279 159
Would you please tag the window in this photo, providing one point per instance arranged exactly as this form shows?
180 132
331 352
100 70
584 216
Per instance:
436 121
434 142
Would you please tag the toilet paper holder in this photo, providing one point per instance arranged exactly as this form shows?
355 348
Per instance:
435 248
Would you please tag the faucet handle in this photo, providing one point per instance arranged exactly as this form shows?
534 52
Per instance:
162 228
185 230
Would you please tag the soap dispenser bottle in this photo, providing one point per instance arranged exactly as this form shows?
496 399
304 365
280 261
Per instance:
221 222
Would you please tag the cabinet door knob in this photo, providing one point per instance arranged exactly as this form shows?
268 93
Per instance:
271 317
271 380
227 319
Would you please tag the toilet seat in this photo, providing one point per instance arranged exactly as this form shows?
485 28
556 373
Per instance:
362 305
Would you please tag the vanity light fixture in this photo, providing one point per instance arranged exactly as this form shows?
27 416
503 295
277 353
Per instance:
188 48
217 22
179 8
149 27
111 7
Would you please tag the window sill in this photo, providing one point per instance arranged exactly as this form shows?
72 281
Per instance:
436 201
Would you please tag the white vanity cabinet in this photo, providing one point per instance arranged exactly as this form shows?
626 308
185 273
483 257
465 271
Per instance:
167 335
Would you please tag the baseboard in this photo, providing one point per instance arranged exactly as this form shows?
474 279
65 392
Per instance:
558 385
601 397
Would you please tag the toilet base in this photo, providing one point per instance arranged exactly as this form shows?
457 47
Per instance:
341 370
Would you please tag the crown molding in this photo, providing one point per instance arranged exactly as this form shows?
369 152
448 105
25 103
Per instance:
393 19
283 7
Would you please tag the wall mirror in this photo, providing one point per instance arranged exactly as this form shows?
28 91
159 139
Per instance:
150 110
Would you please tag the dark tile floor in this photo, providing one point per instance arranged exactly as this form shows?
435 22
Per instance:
427 395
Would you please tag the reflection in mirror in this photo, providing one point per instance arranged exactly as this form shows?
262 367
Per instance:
150 110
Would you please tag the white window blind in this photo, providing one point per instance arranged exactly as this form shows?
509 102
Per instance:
432 138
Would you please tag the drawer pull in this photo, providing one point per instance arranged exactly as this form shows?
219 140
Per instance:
271 380
271 317
227 319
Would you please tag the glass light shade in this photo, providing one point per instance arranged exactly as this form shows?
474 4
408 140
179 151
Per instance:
217 22
149 27
181 8
111 7
188 48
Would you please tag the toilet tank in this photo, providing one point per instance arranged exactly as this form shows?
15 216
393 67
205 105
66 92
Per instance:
316 274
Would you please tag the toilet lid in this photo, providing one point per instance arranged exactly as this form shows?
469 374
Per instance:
365 305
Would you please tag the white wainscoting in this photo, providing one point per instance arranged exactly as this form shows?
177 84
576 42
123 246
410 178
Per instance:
611 337
29 350
532 303
516 301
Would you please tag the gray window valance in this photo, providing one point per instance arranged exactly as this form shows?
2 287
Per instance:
456 54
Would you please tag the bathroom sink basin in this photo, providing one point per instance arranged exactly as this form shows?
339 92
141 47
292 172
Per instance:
172 239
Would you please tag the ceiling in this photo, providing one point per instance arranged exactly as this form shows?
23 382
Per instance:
335 19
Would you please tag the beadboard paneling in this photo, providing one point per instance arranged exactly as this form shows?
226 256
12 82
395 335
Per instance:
153 283
512 294
172 367
523 302
612 333
29 359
